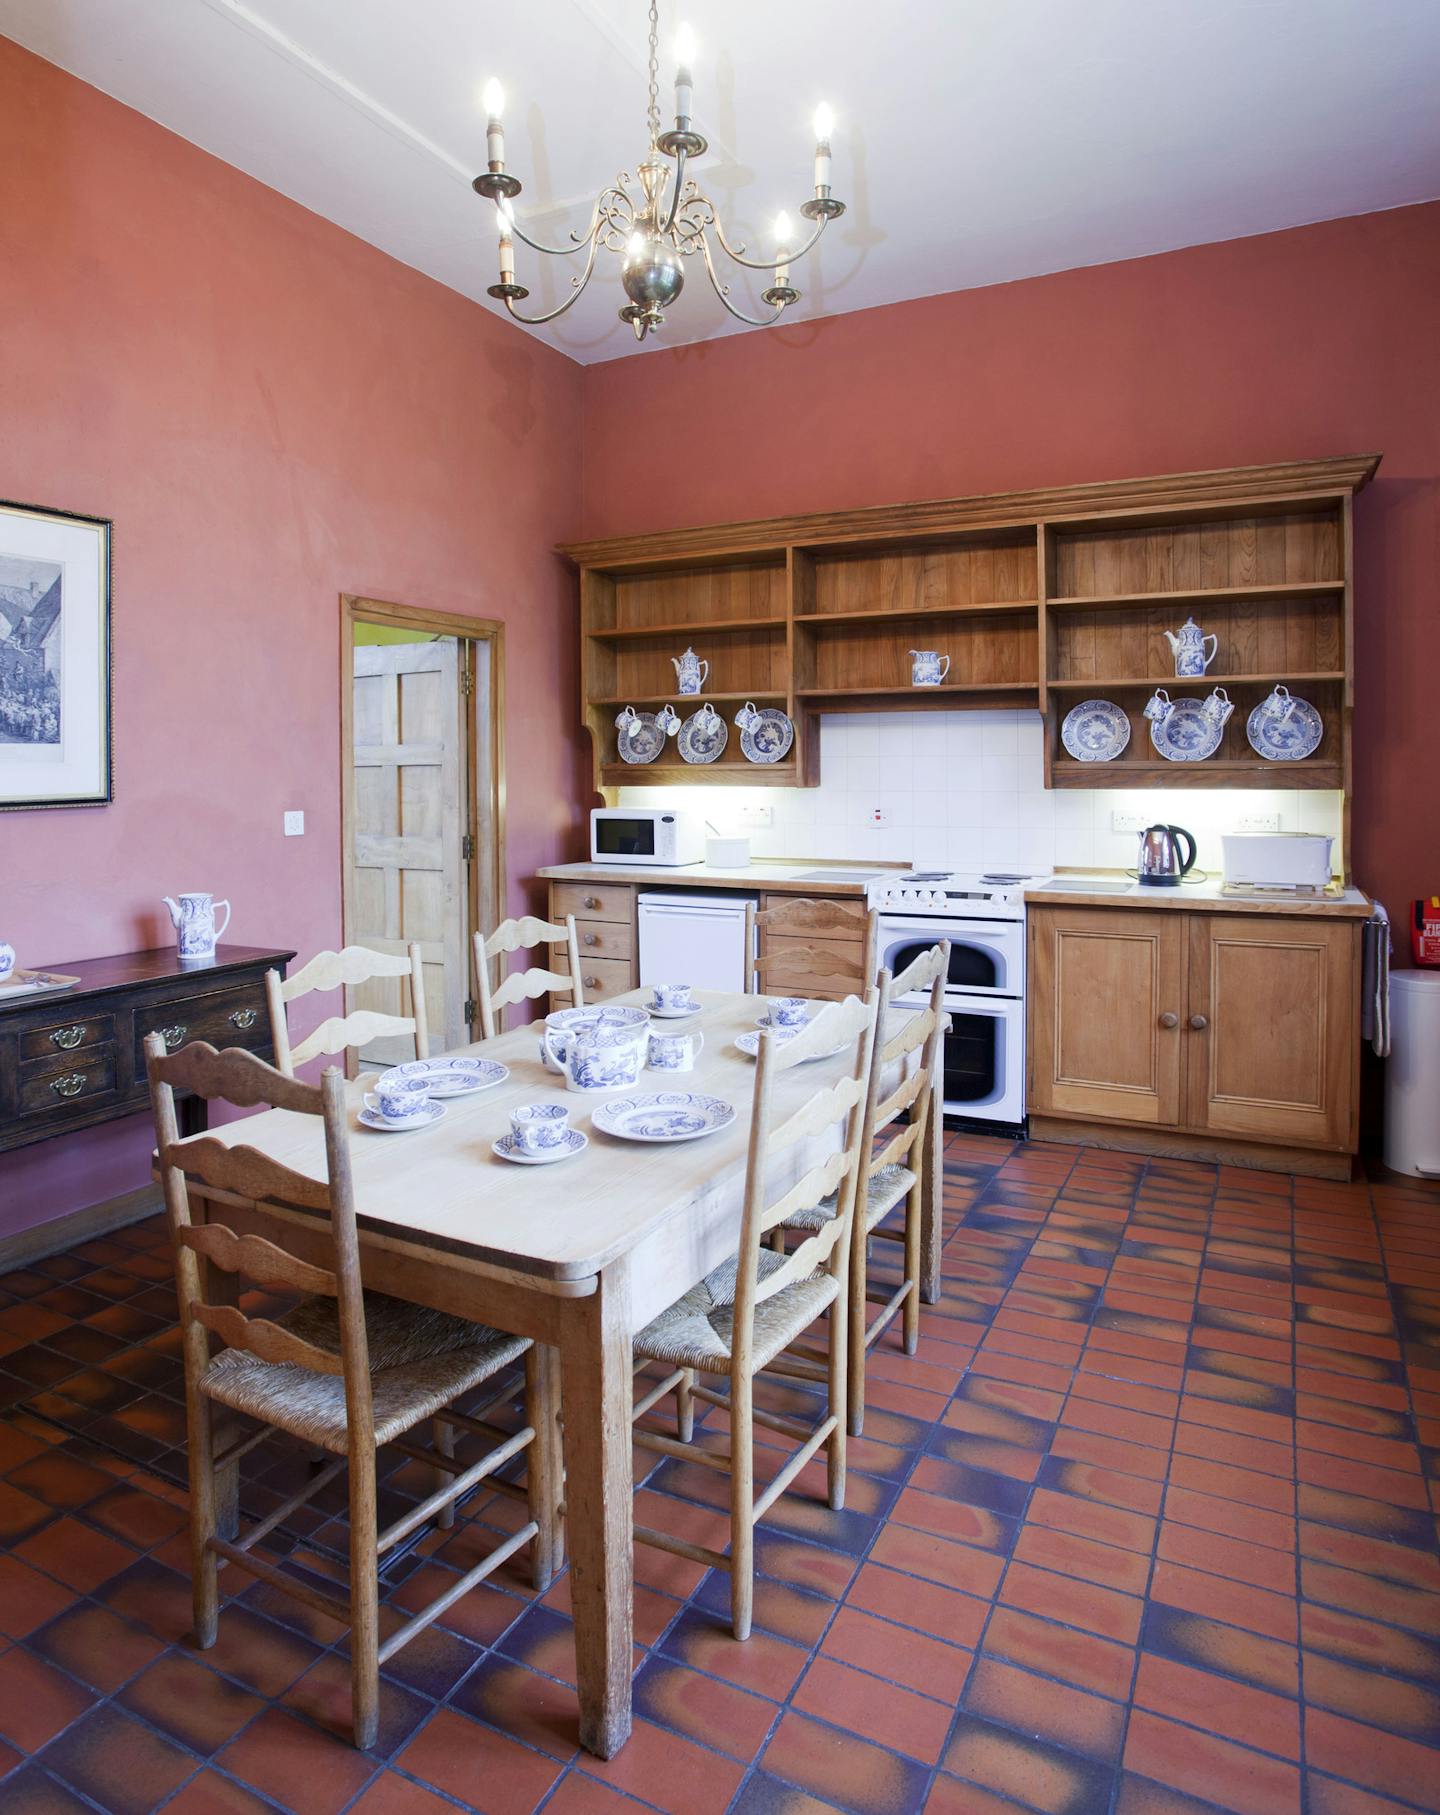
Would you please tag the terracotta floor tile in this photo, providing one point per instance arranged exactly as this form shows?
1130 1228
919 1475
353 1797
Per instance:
1236 1711
76 1554
1235 1558
670 1771
36 1700
1052 1711
702 1708
1202 1764
277 1752
843 1771
911 1659
118 1763
1041 1776
1074 1603
1381 1761
208 1793
1068 1554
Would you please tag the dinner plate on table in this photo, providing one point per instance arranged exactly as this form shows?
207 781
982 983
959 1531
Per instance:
749 1043
663 1115
453 1077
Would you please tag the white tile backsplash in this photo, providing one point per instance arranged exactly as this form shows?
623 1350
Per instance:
966 790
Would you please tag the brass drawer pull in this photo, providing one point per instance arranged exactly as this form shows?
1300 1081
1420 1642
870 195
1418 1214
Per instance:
172 1036
244 1017
67 1037
70 1085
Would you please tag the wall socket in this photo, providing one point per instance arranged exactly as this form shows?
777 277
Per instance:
1258 822
878 816
756 815
294 825
1127 822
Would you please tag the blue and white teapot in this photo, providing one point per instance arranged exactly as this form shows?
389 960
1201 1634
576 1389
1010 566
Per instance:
691 673
1187 645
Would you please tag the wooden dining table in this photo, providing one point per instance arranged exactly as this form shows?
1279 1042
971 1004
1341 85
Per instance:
578 1255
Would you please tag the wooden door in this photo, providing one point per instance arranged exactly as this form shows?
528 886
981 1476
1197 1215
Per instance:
406 868
1105 1000
1271 1034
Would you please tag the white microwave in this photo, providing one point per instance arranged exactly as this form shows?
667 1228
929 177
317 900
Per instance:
652 835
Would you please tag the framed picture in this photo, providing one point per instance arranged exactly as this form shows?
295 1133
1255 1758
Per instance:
54 659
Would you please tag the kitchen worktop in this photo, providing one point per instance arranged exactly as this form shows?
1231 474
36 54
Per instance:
764 876
1101 888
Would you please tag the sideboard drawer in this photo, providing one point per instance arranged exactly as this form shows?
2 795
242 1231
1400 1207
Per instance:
232 1017
593 900
67 1083
66 1034
605 939
601 978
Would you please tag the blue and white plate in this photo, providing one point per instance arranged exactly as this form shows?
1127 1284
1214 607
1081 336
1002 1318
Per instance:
453 1077
767 737
664 1115
703 736
1185 734
427 1118
1285 740
574 1142
640 739
1095 731
749 1043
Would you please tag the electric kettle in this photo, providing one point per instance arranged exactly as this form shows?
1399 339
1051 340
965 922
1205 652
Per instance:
1158 865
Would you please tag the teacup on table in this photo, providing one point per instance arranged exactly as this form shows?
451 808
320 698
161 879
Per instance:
789 1011
537 1127
398 1099
672 997
674 1051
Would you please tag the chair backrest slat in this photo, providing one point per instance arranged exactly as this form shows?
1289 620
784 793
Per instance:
900 1032
247 1174
265 1339
347 969
519 935
260 1260
831 959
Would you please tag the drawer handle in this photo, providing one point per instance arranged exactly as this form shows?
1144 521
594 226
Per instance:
244 1017
67 1037
592 938
172 1036
70 1085
1169 1020
1199 1023
591 901
591 982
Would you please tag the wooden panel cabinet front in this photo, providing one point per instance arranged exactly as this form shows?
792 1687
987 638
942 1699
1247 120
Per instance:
593 900
1106 994
1272 1046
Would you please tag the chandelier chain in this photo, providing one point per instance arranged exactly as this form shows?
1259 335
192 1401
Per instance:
654 107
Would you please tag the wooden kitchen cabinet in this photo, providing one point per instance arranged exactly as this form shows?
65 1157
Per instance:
1222 1035
1106 994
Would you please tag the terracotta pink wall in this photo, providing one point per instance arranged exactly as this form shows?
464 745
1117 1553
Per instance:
272 412
1322 340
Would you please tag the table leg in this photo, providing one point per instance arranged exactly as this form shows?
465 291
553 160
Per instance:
595 1368
932 1197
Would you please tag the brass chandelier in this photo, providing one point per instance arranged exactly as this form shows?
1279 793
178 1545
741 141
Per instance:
669 221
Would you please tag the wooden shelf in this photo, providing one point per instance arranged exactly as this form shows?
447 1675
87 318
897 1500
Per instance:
1255 771
677 700
711 627
923 614
1218 595
1212 679
645 775
951 687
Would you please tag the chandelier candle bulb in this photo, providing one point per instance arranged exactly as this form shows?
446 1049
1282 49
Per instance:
824 126
684 81
782 252
493 101
507 245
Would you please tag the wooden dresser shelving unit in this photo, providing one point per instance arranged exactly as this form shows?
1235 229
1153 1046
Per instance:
1039 599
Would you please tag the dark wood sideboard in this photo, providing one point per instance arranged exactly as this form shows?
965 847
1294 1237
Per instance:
76 1057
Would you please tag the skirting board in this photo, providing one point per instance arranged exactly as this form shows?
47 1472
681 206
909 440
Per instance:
27 1246
1309 1162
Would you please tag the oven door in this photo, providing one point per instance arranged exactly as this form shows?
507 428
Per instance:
984 1058
987 957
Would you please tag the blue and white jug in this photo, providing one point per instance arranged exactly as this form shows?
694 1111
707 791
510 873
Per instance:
690 672
193 917
1187 645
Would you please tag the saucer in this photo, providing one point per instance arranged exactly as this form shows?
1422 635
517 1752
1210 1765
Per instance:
672 1014
427 1120
574 1141
667 1115
749 1043
783 1027
455 1076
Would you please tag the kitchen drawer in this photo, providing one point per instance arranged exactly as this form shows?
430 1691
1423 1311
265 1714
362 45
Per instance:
231 1017
853 908
67 1083
602 978
593 900
605 939
66 1034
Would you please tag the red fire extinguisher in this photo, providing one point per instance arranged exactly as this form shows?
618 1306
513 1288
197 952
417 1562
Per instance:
1425 931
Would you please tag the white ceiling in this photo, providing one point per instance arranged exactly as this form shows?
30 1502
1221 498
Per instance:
977 140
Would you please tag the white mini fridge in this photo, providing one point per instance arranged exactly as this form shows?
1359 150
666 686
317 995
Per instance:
694 939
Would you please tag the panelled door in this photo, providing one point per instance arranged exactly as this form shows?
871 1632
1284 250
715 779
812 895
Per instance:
1270 1032
1106 991
408 859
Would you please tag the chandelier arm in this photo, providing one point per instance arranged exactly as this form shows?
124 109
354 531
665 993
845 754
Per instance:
752 321
581 239
763 264
675 193
535 321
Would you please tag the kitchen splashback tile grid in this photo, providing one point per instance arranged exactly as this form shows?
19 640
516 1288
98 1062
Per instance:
1146 1527
965 791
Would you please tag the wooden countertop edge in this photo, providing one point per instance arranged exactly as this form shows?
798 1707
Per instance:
1187 900
755 879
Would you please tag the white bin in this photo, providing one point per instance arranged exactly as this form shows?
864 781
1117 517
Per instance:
1412 1074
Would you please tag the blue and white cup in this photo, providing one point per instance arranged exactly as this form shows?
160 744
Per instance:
1159 705
1218 708
788 1011
1279 704
398 1100
539 1127
674 1051
672 997
7 960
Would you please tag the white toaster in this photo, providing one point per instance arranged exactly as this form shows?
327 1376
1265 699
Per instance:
1277 860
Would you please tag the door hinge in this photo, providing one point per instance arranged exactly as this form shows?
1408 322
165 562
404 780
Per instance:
469 1011
467 680
467 846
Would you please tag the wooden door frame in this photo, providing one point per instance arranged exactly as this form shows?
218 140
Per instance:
356 609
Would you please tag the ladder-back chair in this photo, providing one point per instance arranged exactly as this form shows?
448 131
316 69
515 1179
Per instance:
812 945
744 1315
523 986
345 969
897 1088
344 1371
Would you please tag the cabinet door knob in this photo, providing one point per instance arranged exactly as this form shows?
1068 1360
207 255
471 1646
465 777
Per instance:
1169 1020
592 901
592 938
67 1037
1199 1023
243 1017
70 1085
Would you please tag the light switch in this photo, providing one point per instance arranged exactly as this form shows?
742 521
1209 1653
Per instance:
294 825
